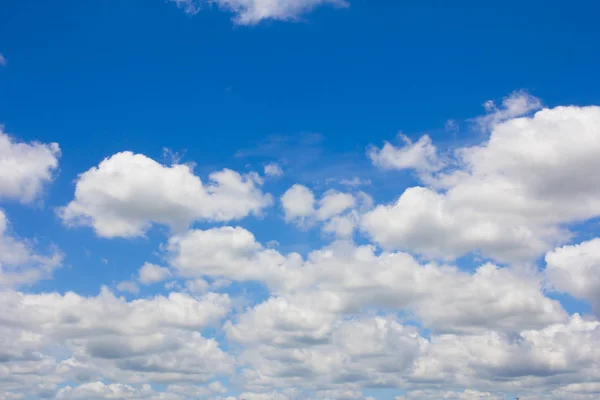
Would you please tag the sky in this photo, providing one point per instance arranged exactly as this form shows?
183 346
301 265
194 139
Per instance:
299 200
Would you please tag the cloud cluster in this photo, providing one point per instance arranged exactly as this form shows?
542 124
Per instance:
397 308
337 211
52 339
508 198
127 192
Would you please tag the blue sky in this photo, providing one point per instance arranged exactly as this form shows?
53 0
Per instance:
431 173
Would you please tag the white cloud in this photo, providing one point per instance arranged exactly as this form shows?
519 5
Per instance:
338 211
249 12
151 273
421 156
334 203
356 181
449 395
128 192
298 204
99 390
52 338
273 169
2 61
442 298
20 264
128 286
516 104
576 270
507 198
25 168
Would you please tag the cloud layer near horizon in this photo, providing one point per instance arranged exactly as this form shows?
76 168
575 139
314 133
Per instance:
385 301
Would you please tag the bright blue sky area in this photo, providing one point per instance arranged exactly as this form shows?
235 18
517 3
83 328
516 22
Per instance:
106 76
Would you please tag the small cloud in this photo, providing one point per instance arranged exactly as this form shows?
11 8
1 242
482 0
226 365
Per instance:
2 61
273 169
356 181
451 126
172 157
517 104
197 286
251 12
104 260
151 273
128 286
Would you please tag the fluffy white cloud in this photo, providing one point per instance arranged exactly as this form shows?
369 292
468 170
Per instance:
55 338
128 286
20 264
99 390
300 342
576 270
127 192
421 155
298 204
356 353
468 394
338 211
507 198
2 61
518 103
25 168
273 169
443 298
249 12
151 273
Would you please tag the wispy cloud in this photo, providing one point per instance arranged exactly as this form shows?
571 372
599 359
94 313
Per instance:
251 12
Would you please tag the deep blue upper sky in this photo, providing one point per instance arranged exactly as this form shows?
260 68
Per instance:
102 76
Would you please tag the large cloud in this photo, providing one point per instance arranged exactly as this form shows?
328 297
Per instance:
249 12
304 345
127 192
442 297
507 198
53 338
25 167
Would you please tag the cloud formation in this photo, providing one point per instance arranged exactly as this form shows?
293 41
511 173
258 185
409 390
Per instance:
250 12
25 168
127 192
508 198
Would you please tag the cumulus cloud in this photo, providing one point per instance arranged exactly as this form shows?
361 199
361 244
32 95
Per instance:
576 270
517 104
128 287
338 211
128 192
250 12
25 168
443 298
105 338
151 273
421 156
273 169
507 198
20 263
